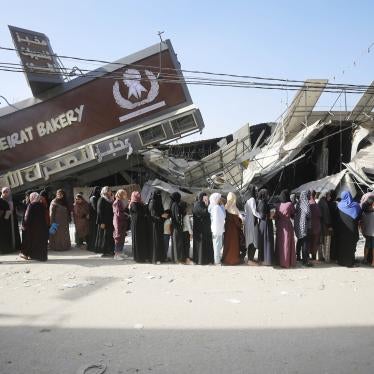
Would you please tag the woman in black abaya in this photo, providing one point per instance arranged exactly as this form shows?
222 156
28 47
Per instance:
202 234
139 228
349 213
177 222
104 240
156 211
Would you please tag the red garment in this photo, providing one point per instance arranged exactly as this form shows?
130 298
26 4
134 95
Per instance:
233 233
285 239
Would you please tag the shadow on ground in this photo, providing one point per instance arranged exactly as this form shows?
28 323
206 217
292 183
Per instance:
49 350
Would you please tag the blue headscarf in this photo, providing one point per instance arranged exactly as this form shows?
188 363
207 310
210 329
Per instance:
348 206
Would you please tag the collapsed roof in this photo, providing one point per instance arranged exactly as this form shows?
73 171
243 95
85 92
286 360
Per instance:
338 146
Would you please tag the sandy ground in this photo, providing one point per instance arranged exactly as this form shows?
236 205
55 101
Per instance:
79 309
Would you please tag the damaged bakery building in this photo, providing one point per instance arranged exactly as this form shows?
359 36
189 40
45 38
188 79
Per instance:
117 125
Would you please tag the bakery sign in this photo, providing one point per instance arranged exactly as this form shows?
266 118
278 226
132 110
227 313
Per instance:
50 126
90 108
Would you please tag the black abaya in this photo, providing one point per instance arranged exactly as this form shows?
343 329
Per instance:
9 229
157 228
104 240
91 242
36 234
139 232
202 235
177 222
346 238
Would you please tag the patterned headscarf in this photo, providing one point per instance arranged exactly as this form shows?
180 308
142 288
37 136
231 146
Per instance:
302 216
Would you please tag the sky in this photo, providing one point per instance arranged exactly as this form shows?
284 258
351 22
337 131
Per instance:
282 39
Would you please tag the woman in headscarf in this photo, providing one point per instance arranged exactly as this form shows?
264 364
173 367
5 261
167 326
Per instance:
81 212
265 229
285 241
9 231
251 224
35 243
187 234
315 232
349 213
59 213
45 202
104 239
233 233
93 199
302 218
333 209
202 235
139 228
217 217
156 211
177 222
120 222
367 228
326 230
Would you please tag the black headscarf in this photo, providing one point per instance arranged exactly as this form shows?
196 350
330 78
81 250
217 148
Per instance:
176 197
176 217
155 204
96 192
284 196
200 196
262 203
251 191
263 194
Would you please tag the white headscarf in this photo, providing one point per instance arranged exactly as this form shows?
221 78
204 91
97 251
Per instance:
214 198
9 199
34 197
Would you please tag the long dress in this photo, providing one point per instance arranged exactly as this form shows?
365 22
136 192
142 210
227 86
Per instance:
265 234
9 229
232 240
59 214
120 222
6 245
139 231
104 239
251 227
177 240
285 240
81 221
346 238
157 232
315 233
334 219
91 242
202 235
35 242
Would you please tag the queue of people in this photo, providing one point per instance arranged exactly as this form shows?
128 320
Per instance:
307 227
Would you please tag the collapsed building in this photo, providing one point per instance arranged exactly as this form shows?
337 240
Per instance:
307 149
114 126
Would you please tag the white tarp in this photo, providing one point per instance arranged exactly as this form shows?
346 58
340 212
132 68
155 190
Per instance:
322 185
